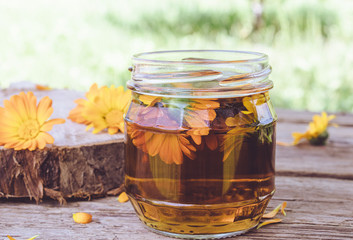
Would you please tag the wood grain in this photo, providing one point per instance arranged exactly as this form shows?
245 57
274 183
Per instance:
318 208
335 160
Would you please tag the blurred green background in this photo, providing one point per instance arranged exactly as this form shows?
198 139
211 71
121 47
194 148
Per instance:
72 44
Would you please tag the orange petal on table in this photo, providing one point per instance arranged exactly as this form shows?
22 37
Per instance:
279 143
267 222
33 237
123 197
283 206
276 210
82 217
42 87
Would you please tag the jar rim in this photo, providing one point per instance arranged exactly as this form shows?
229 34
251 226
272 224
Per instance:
257 57
200 73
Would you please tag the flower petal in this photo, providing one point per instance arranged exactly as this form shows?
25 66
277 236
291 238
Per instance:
47 137
82 217
44 110
48 125
267 222
123 197
274 212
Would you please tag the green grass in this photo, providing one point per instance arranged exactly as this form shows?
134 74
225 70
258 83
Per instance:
72 44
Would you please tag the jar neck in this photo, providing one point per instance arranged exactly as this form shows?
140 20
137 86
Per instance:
200 74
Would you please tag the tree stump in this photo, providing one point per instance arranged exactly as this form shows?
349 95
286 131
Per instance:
78 165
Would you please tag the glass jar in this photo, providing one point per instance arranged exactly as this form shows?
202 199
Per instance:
200 142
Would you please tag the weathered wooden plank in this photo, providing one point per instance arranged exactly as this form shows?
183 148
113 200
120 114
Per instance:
286 115
318 208
333 160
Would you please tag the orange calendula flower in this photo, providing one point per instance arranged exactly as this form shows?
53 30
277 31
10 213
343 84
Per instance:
11 238
169 147
24 125
103 109
317 132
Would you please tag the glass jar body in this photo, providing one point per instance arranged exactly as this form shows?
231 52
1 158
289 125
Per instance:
200 167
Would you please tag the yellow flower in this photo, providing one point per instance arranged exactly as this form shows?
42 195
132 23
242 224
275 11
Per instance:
251 102
76 114
104 108
24 125
317 133
11 238
319 124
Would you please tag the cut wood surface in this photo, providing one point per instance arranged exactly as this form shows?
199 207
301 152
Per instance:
78 165
316 182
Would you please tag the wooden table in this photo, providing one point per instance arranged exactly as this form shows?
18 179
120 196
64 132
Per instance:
316 182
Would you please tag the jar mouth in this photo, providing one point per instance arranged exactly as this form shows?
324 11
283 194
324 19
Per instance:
200 73
200 57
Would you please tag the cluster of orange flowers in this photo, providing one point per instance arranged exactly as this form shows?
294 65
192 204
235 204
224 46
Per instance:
25 125
198 114
171 147
102 109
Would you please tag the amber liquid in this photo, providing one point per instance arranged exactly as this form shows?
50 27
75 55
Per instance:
205 195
